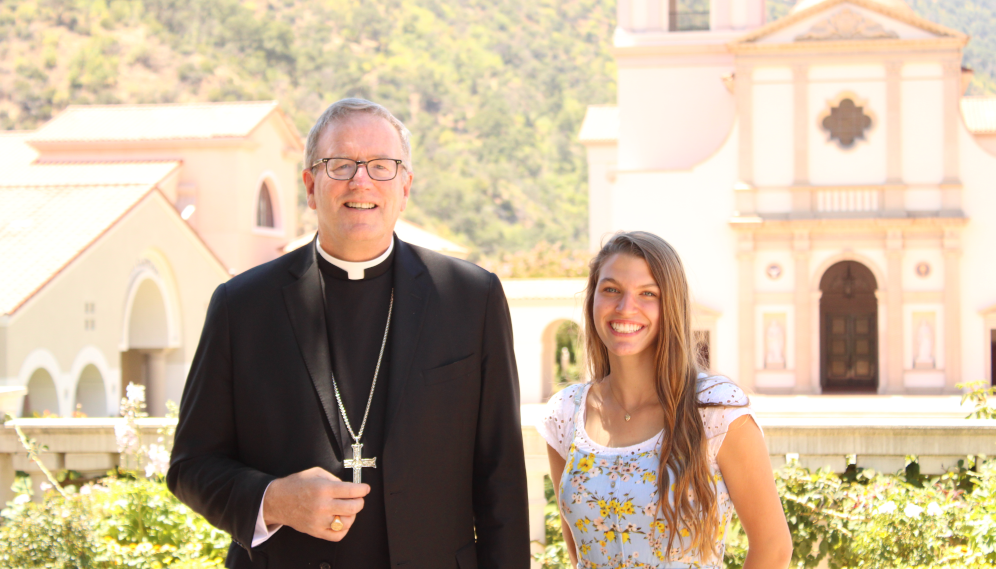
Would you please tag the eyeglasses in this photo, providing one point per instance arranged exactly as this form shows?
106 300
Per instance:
380 169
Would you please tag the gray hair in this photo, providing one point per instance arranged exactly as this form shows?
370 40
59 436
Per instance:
347 107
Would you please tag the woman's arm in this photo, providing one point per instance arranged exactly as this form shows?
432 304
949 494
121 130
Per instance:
557 464
746 468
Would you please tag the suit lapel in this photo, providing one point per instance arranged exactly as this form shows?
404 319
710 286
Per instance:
411 297
306 308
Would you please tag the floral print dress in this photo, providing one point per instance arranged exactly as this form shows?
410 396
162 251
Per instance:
608 495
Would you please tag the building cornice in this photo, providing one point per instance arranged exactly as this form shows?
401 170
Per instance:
761 224
840 46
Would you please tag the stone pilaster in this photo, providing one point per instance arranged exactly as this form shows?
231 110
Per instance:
803 315
891 378
745 259
952 310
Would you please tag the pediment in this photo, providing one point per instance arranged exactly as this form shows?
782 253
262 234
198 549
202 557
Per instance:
846 21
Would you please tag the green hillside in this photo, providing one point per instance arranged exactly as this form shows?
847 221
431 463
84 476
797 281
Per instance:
493 90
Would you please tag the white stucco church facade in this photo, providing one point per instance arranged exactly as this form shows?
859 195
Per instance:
831 191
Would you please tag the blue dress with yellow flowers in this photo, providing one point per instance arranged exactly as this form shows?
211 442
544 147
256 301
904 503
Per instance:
609 495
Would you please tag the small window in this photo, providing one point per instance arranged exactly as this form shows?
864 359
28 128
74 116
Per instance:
688 15
264 207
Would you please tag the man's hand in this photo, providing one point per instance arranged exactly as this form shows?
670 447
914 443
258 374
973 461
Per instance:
309 500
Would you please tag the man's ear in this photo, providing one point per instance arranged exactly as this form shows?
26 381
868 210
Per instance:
407 188
309 186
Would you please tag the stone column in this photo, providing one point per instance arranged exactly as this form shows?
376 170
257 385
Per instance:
744 91
892 378
745 257
802 195
624 14
155 388
7 477
803 321
893 203
952 310
800 89
952 119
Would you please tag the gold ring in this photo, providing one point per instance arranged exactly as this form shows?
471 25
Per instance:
336 524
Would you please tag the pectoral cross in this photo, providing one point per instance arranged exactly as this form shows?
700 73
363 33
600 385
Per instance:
357 463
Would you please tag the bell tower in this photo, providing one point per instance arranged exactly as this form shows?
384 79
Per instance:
639 16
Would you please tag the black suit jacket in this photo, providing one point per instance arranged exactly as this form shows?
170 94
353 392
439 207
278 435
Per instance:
258 405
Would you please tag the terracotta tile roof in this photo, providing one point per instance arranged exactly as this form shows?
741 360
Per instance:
979 114
88 174
42 229
601 124
407 232
111 123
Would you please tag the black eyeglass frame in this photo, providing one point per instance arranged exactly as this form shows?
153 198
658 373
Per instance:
359 163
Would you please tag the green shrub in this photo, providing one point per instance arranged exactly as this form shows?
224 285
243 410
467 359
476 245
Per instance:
120 521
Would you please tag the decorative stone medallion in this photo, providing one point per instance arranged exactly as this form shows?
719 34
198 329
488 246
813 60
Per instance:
847 122
922 269
774 271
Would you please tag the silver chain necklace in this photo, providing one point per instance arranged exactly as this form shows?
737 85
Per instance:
358 463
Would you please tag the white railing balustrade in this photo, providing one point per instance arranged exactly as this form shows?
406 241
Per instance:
847 200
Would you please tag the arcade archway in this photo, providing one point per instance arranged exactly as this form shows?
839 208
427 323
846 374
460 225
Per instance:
91 397
42 397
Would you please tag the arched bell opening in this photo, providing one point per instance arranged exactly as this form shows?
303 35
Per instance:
848 329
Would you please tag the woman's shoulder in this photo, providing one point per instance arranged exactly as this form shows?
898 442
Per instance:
720 390
564 399
556 424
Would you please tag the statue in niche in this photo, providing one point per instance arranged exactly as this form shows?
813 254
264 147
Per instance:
924 346
774 339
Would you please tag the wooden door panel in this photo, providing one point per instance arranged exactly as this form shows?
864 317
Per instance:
849 351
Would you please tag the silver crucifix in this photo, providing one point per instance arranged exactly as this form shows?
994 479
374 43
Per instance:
357 463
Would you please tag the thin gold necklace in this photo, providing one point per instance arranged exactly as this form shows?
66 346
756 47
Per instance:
619 403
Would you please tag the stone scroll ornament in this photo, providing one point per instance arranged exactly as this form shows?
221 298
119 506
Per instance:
847 25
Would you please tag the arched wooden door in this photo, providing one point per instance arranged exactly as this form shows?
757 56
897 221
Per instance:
848 329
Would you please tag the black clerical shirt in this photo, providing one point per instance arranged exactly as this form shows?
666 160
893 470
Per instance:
356 315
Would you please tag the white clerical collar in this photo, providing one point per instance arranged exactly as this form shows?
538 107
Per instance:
354 269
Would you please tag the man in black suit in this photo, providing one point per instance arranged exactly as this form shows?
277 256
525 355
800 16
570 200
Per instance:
358 356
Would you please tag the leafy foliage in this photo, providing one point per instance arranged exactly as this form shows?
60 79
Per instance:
979 392
122 521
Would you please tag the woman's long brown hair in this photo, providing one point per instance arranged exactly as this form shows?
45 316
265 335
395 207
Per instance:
683 446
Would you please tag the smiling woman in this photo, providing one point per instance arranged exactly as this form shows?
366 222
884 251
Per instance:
637 455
